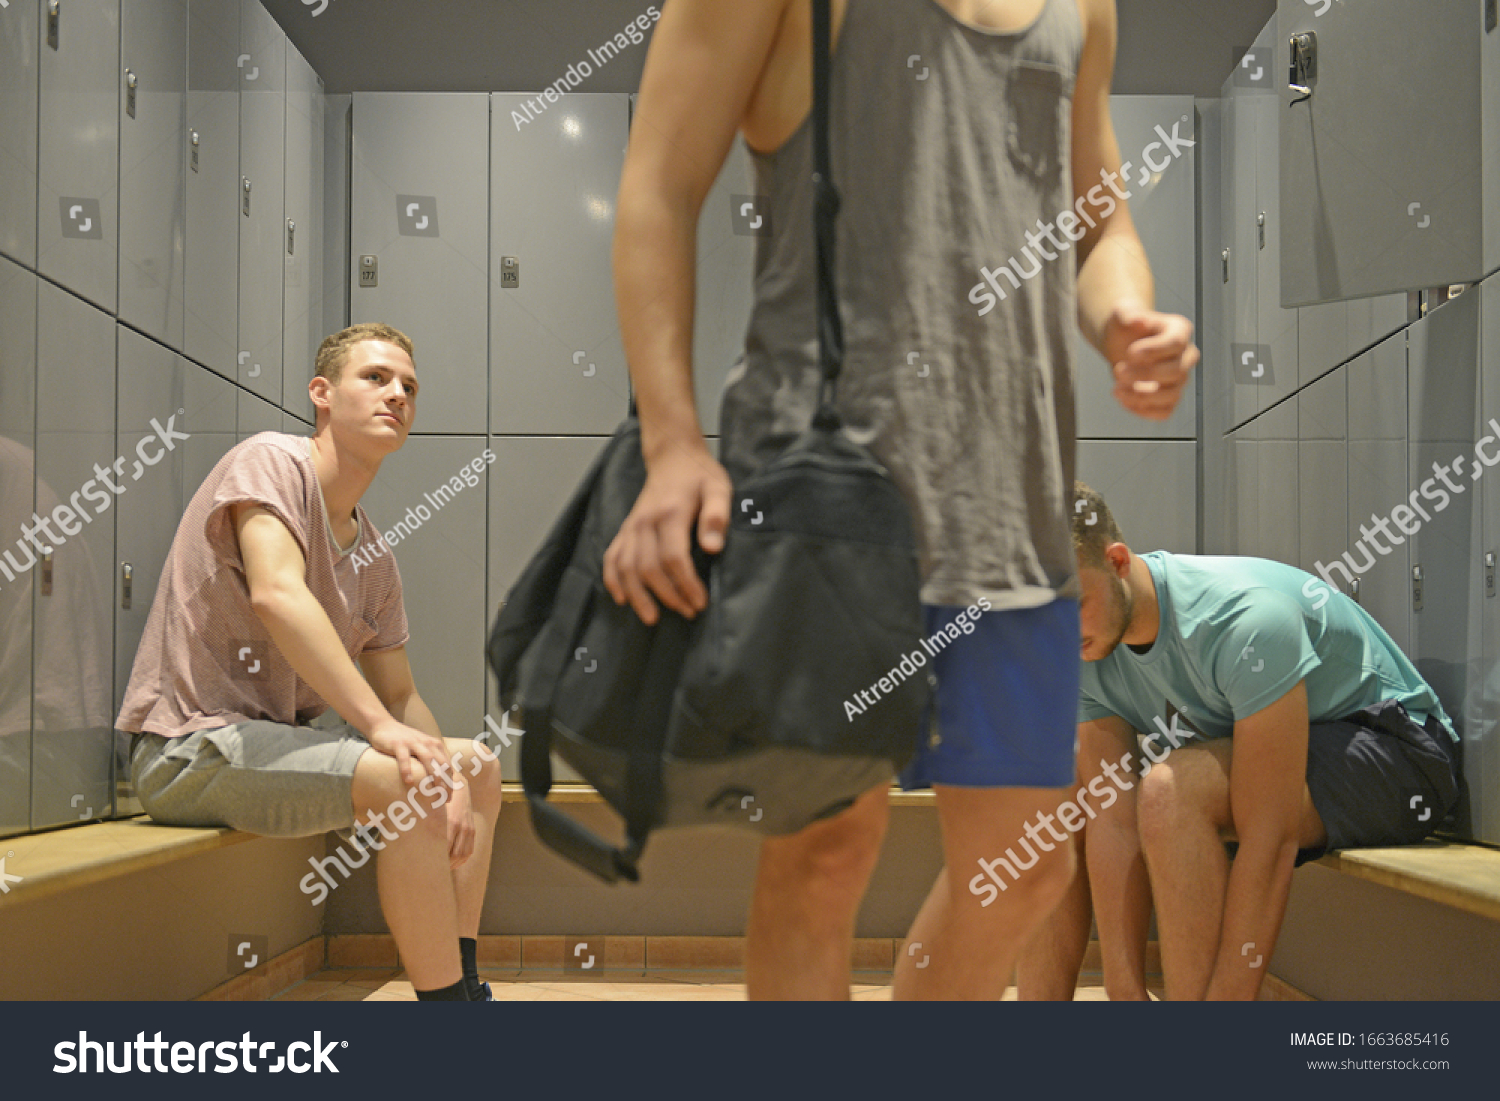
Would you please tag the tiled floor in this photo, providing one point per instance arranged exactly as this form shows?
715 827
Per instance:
388 984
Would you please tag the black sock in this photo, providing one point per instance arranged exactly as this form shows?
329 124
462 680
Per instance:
468 948
458 992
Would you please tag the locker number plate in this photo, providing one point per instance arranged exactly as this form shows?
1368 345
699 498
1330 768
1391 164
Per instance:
369 271
510 273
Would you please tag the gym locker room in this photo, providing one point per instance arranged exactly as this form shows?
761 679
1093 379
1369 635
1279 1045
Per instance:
194 193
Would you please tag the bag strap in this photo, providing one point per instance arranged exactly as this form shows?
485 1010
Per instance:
825 213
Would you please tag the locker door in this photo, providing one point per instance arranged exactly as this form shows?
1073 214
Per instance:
556 361
1323 458
1164 210
1277 481
303 307
78 162
78 478
1482 714
726 284
1277 326
1377 482
255 414
1382 192
421 209
158 385
262 80
18 119
211 326
153 48
531 481
1444 416
1244 452
1150 487
17 493
1245 361
442 564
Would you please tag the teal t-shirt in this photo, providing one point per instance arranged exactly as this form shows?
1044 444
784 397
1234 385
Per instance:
1236 635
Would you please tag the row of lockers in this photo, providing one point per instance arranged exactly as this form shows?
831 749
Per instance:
163 159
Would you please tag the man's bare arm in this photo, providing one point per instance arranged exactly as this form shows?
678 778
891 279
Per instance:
1273 818
276 573
1151 353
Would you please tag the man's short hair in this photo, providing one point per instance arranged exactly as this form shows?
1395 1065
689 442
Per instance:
1094 527
334 352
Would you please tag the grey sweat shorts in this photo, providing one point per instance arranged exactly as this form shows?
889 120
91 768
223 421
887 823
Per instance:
261 777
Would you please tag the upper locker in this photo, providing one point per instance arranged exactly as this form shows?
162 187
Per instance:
78 152
262 79
19 31
153 52
1390 157
557 364
420 241
302 309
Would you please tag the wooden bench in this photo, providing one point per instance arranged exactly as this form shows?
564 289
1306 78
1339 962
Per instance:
1459 874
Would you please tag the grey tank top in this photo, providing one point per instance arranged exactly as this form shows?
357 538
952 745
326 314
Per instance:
949 145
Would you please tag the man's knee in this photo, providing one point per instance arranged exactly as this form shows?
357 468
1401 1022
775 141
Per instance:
837 853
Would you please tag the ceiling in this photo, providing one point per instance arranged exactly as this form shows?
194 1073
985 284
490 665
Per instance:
1178 47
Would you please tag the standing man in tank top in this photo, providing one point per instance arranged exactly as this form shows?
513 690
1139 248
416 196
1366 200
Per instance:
972 144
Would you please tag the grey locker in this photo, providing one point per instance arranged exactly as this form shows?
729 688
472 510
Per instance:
72 718
1162 205
255 414
18 290
1323 457
19 34
556 360
262 80
336 212
1151 487
1277 325
531 481
1332 333
725 284
303 255
1482 711
158 385
420 207
1377 481
1244 535
1241 360
211 322
1382 180
1277 484
78 151
1444 419
153 136
440 551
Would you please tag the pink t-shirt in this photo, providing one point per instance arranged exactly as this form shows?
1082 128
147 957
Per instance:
206 660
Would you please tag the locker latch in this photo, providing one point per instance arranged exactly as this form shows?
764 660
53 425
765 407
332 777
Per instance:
1304 64
131 83
1489 574
291 237
1354 590
1416 588
245 182
194 141
510 273
1261 223
47 573
127 578
369 271
1226 265
52 14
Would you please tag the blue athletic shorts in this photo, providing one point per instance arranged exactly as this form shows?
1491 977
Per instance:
1006 700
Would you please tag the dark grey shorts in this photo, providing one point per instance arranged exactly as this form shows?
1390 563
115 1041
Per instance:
1378 778
261 777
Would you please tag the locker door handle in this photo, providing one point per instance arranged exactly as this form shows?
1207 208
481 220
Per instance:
1416 588
1226 265
53 13
1260 223
291 237
127 578
131 84
1354 590
245 183
193 141
46 573
1489 574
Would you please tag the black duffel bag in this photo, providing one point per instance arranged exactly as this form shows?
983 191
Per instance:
748 714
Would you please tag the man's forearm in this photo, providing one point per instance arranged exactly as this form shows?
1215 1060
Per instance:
303 633
414 712
1116 269
1259 881
655 267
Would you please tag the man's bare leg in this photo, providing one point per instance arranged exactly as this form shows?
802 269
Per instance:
1184 807
971 949
470 880
1048 967
808 888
